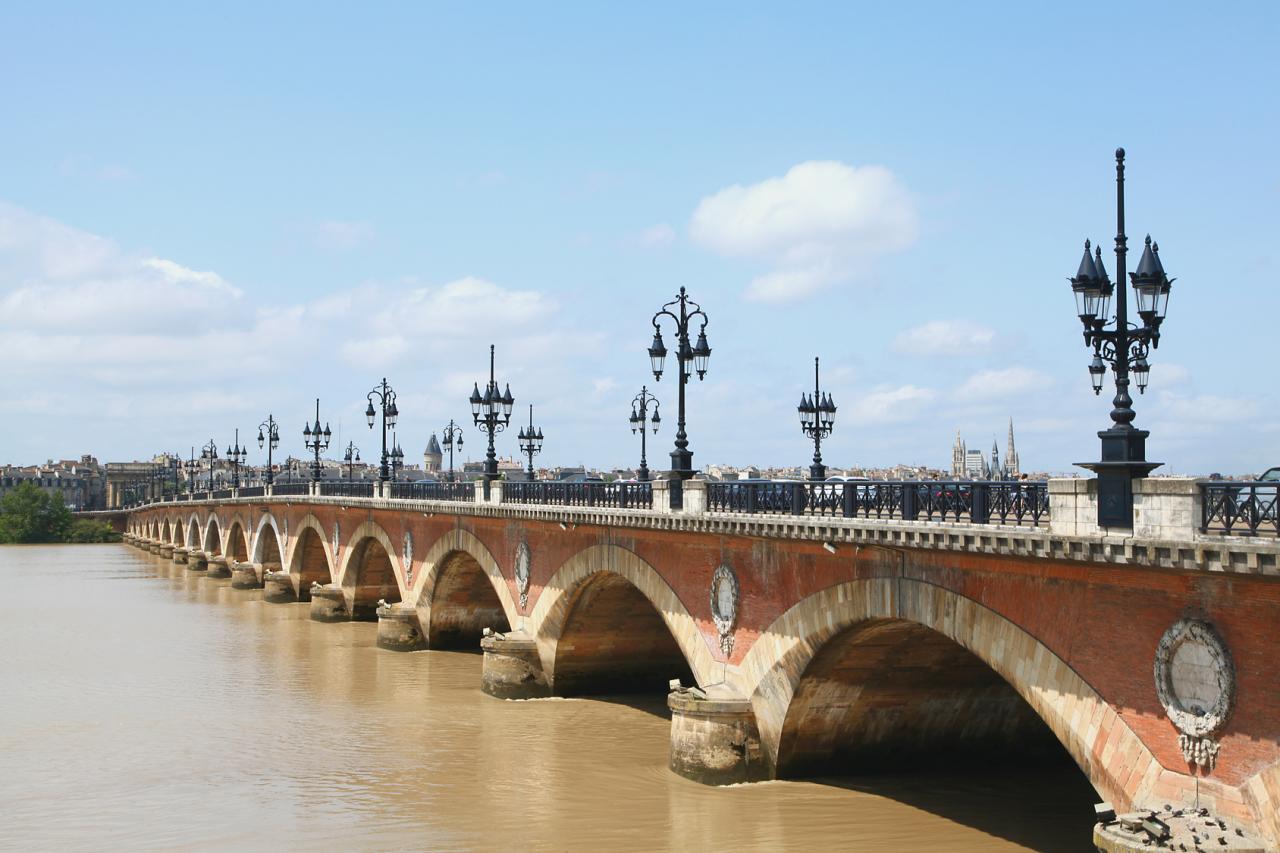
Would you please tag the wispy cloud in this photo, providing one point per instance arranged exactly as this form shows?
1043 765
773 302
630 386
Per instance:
945 337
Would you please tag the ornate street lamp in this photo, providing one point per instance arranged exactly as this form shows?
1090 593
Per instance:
817 419
351 457
192 468
397 457
316 440
269 435
530 442
209 453
175 468
640 418
491 413
236 455
452 436
689 359
386 398
1125 347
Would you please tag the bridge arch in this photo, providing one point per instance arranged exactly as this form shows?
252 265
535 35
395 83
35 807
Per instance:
237 546
460 592
608 622
178 532
820 653
370 571
212 536
193 532
267 550
310 556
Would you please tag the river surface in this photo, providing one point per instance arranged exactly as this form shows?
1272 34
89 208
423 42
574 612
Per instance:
145 707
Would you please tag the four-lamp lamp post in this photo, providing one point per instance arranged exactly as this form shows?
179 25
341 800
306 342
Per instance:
491 412
817 419
316 440
530 442
1125 346
452 438
689 359
639 420
269 436
386 397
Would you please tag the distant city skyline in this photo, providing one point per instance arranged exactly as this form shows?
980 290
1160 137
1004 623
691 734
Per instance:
206 218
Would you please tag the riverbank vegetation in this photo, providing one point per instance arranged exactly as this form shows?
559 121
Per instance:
29 515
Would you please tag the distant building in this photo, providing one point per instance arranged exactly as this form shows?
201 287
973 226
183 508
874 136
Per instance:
81 483
433 456
972 465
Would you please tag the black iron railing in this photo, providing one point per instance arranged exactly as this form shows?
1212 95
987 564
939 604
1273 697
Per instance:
434 491
251 492
977 502
185 497
219 494
1240 509
291 489
618 495
347 489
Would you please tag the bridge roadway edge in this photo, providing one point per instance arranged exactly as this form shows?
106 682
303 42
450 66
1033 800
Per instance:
1230 581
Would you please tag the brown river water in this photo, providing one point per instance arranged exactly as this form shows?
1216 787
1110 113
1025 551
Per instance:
145 707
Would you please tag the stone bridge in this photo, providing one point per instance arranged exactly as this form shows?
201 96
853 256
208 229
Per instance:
808 645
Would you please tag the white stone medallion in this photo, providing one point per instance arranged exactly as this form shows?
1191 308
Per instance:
522 573
408 559
724 605
1196 684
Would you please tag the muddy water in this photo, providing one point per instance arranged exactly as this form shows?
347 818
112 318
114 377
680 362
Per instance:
144 707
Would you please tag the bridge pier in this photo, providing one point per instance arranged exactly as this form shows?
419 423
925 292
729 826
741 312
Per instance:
280 587
244 576
398 628
179 556
197 561
328 603
217 567
714 739
164 550
512 668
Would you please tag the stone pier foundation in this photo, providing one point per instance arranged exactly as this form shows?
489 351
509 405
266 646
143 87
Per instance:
714 740
197 561
328 604
180 556
398 628
244 576
218 567
282 588
512 668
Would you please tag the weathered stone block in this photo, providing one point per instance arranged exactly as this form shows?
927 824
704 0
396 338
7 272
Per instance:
512 668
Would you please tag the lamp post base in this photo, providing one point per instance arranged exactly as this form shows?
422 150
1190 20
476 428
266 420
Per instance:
1124 459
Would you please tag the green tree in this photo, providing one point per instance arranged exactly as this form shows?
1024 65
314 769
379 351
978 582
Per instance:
89 530
29 514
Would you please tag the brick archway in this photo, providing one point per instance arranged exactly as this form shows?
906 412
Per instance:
556 602
212 536
445 557
310 555
1115 760
267 548
370 568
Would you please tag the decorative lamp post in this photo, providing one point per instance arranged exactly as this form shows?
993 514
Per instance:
175 468
689 359
530 442
209 453
192 467
236 455
386 398
817 419
1124 346
397 457
491 413
452 436
269 436
316 440
640 418
351 457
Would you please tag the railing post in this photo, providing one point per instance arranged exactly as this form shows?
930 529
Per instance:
797 498
980 503
677 493
848 502
752 490
910 501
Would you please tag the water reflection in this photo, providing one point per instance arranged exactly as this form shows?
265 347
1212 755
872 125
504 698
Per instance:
148 707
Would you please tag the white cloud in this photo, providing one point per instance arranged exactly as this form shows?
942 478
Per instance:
993 384
945 337
603 385
818 224
340 236
658 236
458 308
891 405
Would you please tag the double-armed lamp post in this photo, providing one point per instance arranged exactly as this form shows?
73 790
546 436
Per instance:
640 419
386 397
682 311
236 455
209 453
452 436
316 440
530 442
351 457
491 412
1125 347
817 419
269 436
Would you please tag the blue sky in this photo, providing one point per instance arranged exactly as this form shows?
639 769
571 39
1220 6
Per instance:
209 214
